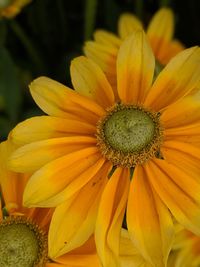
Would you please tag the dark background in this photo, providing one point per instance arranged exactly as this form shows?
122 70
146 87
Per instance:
47 34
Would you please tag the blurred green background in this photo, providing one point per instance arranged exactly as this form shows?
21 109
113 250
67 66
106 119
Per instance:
47 34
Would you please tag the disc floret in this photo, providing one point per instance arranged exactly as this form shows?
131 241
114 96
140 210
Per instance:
129 135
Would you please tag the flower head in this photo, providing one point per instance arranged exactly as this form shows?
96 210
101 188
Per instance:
10 8
94 152
103 50
24 231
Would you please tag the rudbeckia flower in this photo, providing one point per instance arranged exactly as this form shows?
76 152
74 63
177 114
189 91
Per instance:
10 8
24 231
97 152
160 31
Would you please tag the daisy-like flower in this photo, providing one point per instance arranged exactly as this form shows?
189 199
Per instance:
23 231
103 50
10 8
84 153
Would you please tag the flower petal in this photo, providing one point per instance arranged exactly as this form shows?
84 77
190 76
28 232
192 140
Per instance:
45 127
60 179
160 31
12 184
89 80
168 179
169 50
182 113
107 38
135 68
105 56
149 221
33 156
127 24
129 254
58 100
110 217
177 79
186 158
77 215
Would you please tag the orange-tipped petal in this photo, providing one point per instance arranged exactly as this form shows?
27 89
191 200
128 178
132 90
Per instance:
89 80
160 31
61 178
58 100
177 79
110 217
77 215
135 68
149 221
45 127
31 157
177 194
127 24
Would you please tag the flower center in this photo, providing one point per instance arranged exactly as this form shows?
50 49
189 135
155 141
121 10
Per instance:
129 135
22 243
5 3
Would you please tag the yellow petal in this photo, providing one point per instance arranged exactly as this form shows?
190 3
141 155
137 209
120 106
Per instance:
12 184
129 254
89 80
186 159
58 100
107 38
177 79
127 24
135 68
110 217
149 221
33 156
77 215
45 127
105 56
84 256
160 30
61 178
183 113
168 181
169 50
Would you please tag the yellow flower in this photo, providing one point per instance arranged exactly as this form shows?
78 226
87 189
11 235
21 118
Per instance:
10 8
83 154
31 225
103 50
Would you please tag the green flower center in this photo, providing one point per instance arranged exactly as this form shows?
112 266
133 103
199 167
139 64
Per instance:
129 130
5 3
22 243
129 135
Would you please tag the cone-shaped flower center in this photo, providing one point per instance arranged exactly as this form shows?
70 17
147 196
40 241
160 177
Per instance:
22 243
5 3
129 130
129 135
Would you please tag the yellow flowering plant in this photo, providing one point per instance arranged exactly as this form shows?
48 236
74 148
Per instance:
96 155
